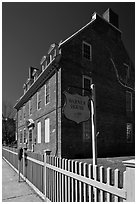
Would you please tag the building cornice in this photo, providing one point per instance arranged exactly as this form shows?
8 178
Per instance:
45 75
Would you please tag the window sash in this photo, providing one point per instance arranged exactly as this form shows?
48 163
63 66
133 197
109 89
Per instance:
47 93
47 130
21 136
87 51
39 99
39 132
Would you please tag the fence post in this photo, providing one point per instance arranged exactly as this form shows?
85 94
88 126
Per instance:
129 183
46 152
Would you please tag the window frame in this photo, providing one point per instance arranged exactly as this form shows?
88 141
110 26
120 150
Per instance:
21 136
83 53
25 135
30 106
38 139
47 139
131 139
39 97
47 84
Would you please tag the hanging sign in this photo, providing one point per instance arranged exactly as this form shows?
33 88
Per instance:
76 107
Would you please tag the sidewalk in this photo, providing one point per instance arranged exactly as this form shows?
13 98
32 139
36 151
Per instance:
14 191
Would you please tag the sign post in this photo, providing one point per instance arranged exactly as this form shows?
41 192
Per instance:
93 123
76 109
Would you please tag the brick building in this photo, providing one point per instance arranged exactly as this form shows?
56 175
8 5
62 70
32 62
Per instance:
94 54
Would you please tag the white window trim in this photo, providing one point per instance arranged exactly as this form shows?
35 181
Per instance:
38 140
45 92
47 140
84 42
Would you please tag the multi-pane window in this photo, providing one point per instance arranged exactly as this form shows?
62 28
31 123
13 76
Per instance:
47 130
86 92
39 132
21 136
129 132
128 101
24 113
30 106
24 135
39 99
20 115
30 136
47 92
86 51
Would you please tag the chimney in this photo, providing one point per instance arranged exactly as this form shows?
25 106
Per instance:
111 17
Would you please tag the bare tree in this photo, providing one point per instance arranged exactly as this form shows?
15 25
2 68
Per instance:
8 123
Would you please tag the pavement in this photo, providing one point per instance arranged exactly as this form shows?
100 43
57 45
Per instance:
14 191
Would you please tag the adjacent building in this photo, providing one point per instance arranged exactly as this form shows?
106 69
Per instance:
94 54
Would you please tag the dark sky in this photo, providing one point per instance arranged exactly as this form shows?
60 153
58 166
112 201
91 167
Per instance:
28 29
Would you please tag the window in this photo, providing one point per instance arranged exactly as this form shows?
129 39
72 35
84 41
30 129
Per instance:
47 130
86 125
30 106
43 67
128 101
87 51
20 115
30 138
24 135
21 136
24 112
39 132
39 99
87 81
47 93
129 132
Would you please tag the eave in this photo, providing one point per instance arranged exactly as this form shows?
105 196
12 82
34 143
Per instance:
45 75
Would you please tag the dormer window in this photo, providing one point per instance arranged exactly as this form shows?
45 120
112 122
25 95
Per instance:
86 51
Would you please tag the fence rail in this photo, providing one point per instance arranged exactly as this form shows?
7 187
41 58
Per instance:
62 180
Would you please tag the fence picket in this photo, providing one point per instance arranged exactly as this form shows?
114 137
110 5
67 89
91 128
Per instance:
90 188
84 170
95 189
72 183
76 183
102 181
80 183
60 186
109 170
116 182
63 180
66 189
69 180
55 180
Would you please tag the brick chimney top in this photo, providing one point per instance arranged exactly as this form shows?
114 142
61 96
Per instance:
111 17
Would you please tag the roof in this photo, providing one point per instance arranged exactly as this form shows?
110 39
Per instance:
93 20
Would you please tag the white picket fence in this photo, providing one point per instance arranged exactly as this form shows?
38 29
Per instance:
62 180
